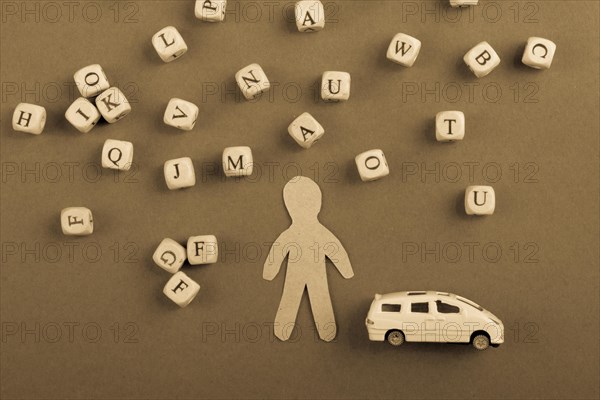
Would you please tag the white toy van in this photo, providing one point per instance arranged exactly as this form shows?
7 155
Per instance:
432 317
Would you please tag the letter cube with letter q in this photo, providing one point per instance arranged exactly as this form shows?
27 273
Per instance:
117 154
76 221
181 289
482 59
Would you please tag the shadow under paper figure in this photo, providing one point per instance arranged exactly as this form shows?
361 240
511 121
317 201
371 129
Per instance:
306 243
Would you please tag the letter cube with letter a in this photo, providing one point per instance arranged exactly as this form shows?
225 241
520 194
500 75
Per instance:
252 81
202 250
372 165
480 200
169 44
335 86
539 53
482 59
169 255
238 161
310 15
306 130
76 221
29 118
210 10
181 114
181 289
404 50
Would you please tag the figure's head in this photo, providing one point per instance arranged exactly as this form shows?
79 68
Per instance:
302 198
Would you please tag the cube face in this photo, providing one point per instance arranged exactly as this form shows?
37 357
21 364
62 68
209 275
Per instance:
113 105
404 50
372 165
310 16
181 289
181 114
482 59
117 154
202 250
335 86
83 115
169 44
179 173
169 255
76 221
210 10
539 53
252 81
306 130
480 200
238 161
463 3
91 80
449 126
29 118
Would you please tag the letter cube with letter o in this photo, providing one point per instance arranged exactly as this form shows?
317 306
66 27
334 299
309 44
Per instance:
210 10
202 250
310 16
181 289
76 221
169 255
181 114
449 126
179 173
91 80
169 44
306 130
335 86
113 105
117 154
539 53
404 50
83 115
252 81
238 161
29 118
372 165
480 200
482 59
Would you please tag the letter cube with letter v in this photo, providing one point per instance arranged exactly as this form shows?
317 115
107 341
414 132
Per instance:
76 221
181 289
482 59
181 114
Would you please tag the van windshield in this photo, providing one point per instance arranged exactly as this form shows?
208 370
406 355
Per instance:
469 302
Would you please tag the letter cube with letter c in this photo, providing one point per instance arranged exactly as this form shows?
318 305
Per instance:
539 53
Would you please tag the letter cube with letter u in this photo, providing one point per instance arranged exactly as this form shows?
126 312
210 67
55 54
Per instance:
480 200
482 59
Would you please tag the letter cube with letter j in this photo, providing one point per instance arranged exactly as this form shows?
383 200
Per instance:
480 200
179 173
202 250
181 289
482 59
372 165
238 161
76 221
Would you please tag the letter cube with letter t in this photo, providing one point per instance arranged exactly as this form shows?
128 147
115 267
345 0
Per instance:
169 255
372 165
181 114
449 126
76 221
480 200
482 59
238 161
252 81
210 10
306 130
202 250
181 289
29 118
310 15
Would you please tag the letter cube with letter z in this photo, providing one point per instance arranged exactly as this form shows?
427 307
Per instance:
181 114
310 15
480 200
404 50
117 154
306 130
113 105
482 59
210 10
76 221
169 255
169 44
372 165
238 161
91 80
29 118
202 250
181 289
539 53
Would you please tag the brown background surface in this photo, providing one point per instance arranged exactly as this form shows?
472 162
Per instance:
221 345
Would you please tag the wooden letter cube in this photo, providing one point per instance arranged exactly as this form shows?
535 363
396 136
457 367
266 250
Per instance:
169 44
372 165
310 16
335 86
29 118
113 105
238 161
210 10
83 115
202 250
404 50
306 130
181 289
117 154
179 173
482 59
76 221
539 53
252 81
463 3
181 114
91 80
169 255
449 126
480 200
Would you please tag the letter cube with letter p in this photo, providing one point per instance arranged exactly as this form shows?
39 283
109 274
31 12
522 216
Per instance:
181 289
202 250
482 59
210 10
76 221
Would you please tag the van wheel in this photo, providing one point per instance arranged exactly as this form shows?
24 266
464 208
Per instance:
395 338
481 342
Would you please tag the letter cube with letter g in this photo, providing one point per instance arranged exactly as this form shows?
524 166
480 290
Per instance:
372 165
169 255
482 59
76 221
181 289
202 250
480 200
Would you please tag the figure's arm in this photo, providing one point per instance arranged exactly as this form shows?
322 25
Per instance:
275 257
335 251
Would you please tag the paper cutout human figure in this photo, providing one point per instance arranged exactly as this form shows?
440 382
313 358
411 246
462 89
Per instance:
305 243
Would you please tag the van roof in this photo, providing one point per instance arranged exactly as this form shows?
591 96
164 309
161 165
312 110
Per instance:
414 294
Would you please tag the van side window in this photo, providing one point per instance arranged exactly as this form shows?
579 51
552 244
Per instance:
390 307
446 308
419 307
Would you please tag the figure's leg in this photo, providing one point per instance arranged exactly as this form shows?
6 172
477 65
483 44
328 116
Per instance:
320 303
285 319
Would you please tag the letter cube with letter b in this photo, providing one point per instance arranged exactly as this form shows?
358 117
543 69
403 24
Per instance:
83 115
76 221
306 130
449 126
238 161
539 53
91 80
252 81
179 173
169 255
335 86
29 118
482 59
169 44
181 289
181 114
202 250
117 154
404 50
310 15
210 10
113 105
372 165
480 200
